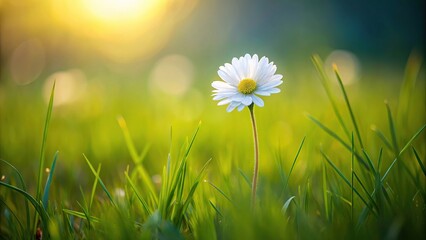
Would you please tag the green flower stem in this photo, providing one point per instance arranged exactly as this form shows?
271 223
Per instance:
256 157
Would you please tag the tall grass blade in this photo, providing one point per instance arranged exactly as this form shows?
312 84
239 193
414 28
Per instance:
366 191
369 161
294 161
6 212
402 151
220 191
324 192
245 177
339 80
100 180
335 136
216 209
392 129
49 181
180 171
38 207
81 215
189 198
412 71
422 166
95 184
43 142
382 137
336 169
287 204
23 186
352 176
137 158
138 195
324 81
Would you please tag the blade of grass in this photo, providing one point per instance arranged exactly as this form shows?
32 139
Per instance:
43 142
287 204
324 81
38 207
5 213
180 171
138 195
220 191
366 191
352 177
49 181
81 215
335 136
392 129
382 137
100 180
340 197
190 195
339 80
95 184
402 151
137 158
336 169
294 161
24 188
324 191
245 177
412 71
216 209
422 166
86 214
369 161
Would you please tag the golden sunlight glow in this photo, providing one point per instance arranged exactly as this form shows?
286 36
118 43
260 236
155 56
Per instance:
116 10
122 31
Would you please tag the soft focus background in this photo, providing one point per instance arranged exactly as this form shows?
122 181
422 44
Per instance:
152 62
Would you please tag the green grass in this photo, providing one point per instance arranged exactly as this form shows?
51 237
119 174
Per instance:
334 164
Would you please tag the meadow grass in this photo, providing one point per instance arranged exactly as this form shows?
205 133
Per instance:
355 169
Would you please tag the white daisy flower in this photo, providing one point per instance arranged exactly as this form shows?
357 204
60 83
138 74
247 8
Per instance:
245 79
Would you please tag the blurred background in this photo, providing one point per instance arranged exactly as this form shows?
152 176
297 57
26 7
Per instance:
152 62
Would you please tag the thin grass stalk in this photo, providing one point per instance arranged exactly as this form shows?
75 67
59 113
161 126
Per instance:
324 80
349 106
352 178
21 179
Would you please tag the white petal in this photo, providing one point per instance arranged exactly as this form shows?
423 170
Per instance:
270 84
232 106
247 100
225 101
221 85
253 66
257 100
274 90
261 69
231 70
268 73
236 64
262 92
223 73
241 107
222 96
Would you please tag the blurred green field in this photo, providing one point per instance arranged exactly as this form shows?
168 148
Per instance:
316 204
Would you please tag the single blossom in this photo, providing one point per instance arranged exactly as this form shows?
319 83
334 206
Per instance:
244 80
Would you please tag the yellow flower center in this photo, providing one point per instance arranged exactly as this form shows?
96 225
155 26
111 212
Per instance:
247 86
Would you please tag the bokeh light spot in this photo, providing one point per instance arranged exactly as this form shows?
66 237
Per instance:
27 61
347 64
70 86
172 75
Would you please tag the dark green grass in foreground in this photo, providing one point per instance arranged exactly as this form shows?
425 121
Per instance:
334 180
